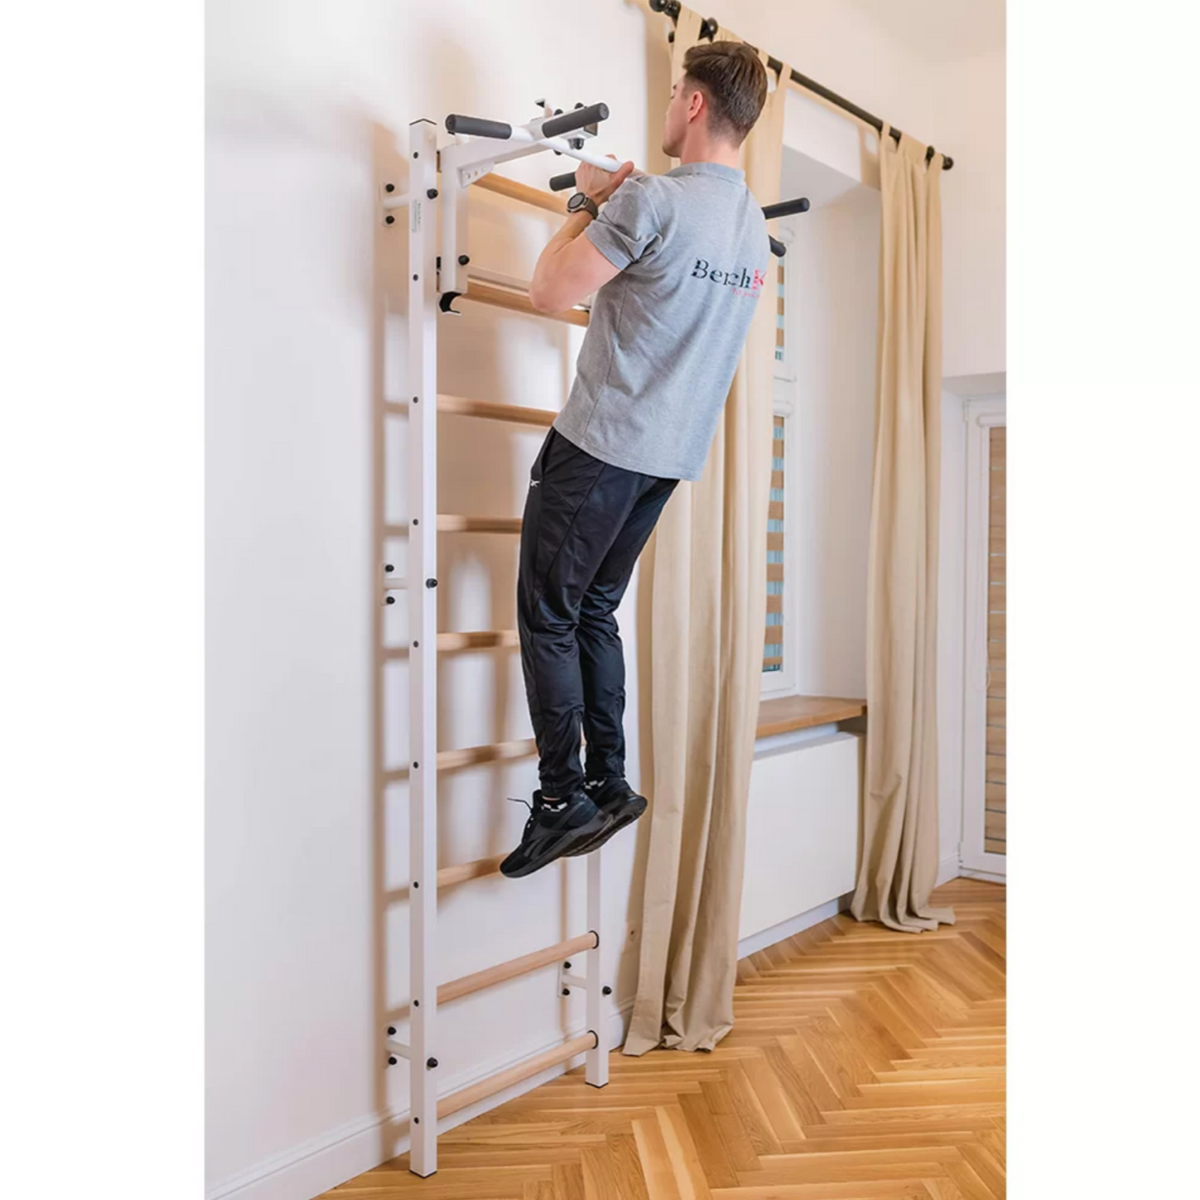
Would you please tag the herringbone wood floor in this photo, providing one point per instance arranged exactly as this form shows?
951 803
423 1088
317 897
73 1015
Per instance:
863 1063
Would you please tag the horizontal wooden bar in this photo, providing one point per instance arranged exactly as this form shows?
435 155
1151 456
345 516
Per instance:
467 1096
462 872
475 639
523 192
481 639
490 410
469 756
454 523
483 293
516 966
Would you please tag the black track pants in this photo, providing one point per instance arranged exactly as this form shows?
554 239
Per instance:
585 524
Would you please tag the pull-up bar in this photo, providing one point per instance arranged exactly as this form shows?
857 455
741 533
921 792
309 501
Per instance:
784 208
585 118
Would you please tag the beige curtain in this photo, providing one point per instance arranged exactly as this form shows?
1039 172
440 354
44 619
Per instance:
702 661
899 859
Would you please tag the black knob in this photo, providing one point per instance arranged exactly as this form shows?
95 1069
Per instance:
606 990
389 567
391 1030
463 259
391 1060
431 1063
567 966
431 583
389 220
566 991
391 187
431 193
390 600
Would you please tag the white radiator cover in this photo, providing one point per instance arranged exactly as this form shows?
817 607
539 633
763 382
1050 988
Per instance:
802 829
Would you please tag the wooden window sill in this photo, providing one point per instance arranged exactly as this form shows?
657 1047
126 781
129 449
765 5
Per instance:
786 713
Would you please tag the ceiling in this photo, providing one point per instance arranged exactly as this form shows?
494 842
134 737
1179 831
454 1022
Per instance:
939 29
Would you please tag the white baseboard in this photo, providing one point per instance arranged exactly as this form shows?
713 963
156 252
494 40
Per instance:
948 869
754 942
324 1162
986 876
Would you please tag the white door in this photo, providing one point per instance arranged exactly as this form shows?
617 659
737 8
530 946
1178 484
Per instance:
985 800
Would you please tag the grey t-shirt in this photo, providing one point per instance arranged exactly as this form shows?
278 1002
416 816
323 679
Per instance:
666 333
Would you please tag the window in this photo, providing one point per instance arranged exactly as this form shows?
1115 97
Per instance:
780 281
774 637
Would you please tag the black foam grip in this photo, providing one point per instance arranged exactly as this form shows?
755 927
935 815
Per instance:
575 119
477 126
560 183
786 208
777 248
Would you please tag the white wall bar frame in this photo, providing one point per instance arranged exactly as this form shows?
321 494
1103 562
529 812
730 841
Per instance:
427 199
422 663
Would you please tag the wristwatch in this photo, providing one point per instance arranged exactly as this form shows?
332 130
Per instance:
582 201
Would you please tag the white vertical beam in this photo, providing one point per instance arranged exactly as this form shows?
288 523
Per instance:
422 567
596 1068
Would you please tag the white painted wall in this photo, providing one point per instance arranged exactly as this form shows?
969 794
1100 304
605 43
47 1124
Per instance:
969 96
306 102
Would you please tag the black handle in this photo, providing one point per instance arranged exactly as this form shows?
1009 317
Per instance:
777 248
575 119
560 183
477 126
785 208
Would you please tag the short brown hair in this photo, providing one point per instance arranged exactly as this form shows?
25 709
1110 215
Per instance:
734 83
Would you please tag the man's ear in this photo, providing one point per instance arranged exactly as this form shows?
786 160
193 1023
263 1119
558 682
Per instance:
695 104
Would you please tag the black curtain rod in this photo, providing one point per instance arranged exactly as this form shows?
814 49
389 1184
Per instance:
708 29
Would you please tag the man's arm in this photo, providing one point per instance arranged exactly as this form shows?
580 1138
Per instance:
571 268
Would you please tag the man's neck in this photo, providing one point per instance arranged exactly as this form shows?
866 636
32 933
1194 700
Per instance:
712 152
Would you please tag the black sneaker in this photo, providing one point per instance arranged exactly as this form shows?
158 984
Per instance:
619 802
554 831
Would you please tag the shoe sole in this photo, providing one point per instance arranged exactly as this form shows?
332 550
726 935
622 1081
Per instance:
561 848
624 818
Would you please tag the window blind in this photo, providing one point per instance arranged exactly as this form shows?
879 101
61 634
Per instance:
995 801
773 640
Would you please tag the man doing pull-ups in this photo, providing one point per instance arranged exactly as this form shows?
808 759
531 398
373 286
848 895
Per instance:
677 262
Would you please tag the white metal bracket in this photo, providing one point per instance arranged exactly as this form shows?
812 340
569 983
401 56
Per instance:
567 979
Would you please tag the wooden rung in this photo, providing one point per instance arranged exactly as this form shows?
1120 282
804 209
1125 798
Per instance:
453 523
497 1083
490 410
523 192
461 872
514 967
448 643
484 293
484 639
469 756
